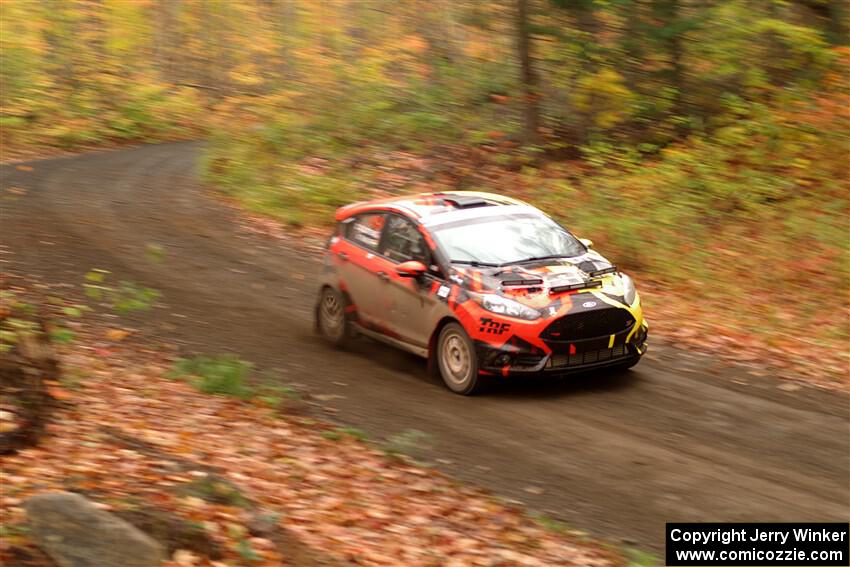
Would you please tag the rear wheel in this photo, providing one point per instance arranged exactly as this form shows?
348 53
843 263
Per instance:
456 360
331 319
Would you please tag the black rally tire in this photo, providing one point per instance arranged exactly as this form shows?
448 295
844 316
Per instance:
457 361
332 321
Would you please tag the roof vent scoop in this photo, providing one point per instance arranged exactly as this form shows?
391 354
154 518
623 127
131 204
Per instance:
465 201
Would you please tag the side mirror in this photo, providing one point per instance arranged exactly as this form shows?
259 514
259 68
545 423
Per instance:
410 269
588 243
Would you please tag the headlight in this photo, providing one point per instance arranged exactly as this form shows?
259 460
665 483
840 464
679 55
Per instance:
505 306
629 291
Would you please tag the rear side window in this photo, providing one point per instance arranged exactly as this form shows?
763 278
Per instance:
365 230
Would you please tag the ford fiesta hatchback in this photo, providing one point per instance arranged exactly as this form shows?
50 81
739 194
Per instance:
480 285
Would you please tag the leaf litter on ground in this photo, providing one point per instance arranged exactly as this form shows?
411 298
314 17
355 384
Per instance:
130 434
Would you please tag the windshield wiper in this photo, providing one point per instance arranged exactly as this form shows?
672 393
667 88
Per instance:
538 258
475 263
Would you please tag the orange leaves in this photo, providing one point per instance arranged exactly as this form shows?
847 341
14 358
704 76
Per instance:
414 43
117 334
56 391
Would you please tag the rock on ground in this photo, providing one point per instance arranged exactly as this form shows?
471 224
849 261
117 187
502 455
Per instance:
75 533
173 532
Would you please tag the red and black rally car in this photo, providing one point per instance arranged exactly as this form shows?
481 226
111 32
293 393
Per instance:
479 284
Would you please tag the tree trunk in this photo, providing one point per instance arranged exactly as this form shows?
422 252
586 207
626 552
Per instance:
528 76
23 372
668 13
833 19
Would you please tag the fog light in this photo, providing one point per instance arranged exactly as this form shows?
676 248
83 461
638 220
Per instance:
503 360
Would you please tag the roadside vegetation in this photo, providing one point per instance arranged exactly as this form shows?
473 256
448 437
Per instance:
701 146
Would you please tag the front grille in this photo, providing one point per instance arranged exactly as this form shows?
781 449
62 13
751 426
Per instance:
527 360
589 357
588 324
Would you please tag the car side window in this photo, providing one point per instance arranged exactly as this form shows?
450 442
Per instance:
403 241
365 230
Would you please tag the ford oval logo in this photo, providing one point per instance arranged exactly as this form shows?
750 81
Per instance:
588 304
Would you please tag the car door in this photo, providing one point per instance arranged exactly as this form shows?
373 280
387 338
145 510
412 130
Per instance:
407 304
358 262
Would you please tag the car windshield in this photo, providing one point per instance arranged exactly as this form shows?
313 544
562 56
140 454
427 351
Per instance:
506 239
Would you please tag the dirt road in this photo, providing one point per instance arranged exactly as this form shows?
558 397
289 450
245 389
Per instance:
674 440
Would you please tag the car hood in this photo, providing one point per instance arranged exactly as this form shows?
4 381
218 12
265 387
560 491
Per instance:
591 270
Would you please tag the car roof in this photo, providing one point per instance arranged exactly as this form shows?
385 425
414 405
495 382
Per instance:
426 206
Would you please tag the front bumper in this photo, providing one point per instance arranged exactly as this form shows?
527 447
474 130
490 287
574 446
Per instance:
578 356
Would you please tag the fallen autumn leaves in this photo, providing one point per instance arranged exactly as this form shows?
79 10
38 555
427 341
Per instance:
129 437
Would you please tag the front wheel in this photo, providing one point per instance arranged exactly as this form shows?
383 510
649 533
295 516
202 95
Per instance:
457 361
331 319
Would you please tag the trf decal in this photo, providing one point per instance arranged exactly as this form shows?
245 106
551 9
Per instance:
493 327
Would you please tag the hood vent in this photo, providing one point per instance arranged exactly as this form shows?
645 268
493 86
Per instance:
525 282
580 285
602 272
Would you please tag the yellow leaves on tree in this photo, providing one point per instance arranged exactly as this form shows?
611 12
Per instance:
603 97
